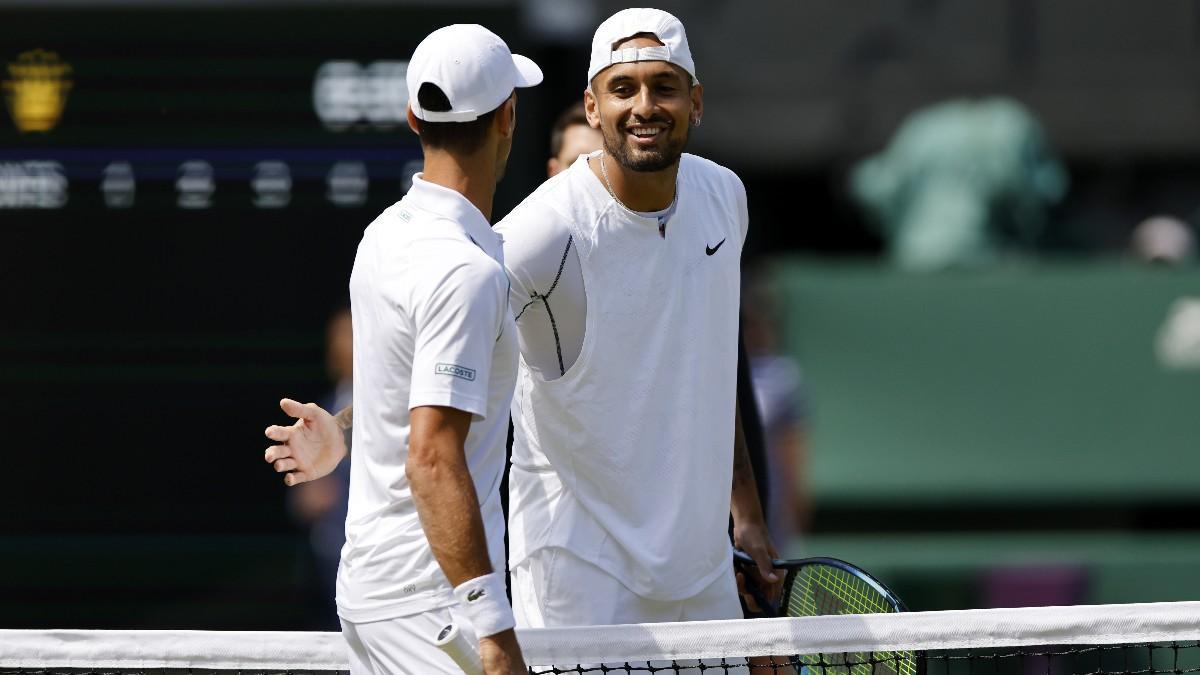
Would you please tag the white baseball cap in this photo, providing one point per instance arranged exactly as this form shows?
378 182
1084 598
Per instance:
472 66
629 22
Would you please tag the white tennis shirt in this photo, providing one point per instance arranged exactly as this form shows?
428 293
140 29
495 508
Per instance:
625 455
429 299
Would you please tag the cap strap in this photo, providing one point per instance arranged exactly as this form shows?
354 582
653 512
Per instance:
632 54
447 116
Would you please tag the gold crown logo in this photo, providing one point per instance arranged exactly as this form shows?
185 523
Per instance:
36 90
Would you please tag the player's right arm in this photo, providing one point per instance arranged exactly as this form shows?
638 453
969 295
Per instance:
546 287
449 510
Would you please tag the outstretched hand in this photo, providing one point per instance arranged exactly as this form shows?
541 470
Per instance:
310 448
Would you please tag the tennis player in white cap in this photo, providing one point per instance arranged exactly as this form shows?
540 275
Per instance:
628 456
435 356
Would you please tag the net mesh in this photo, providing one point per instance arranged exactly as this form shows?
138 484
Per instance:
1099 640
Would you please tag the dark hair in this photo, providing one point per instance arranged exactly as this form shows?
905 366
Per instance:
460 137
573 115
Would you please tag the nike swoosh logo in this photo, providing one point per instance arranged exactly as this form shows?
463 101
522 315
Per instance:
713 249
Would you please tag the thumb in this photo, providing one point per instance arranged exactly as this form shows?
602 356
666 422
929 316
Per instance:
766 569
295 409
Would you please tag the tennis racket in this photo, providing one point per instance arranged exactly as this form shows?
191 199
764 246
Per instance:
823 586
462 647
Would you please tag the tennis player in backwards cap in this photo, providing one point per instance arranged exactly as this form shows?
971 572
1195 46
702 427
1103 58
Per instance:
625 272
628 456
435 356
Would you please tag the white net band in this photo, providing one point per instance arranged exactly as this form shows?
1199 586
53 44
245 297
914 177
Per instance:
945 630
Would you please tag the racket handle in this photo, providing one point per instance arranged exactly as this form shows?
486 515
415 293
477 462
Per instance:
460 645
765 607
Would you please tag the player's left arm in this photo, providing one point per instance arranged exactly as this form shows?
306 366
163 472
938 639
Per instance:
444 493
749 526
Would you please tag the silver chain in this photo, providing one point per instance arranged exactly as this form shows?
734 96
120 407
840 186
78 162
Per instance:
612 193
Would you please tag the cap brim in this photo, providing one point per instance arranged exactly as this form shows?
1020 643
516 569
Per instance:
528 73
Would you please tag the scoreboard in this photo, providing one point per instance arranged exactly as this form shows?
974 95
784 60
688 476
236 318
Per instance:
178 143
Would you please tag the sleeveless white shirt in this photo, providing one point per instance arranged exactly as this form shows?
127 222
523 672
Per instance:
626 459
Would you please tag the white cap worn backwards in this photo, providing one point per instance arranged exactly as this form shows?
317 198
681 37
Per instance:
629 22
472 66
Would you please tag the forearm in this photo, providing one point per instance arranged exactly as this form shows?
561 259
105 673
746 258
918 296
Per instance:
345 424
744 504
449 513
345 418
448 506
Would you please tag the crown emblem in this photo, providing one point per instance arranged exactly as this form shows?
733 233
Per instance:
36 90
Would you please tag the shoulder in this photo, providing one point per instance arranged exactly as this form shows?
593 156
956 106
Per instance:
720 185
542 223
543 211
707 175
421 250
440 281
569 198
453 257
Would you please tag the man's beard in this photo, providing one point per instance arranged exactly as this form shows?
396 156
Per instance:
657 159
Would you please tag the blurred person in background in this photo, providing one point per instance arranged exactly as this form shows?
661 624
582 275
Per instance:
783 408
571 137
1165 240
961 183
320 505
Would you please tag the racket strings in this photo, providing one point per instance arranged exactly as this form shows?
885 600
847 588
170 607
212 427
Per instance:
815 590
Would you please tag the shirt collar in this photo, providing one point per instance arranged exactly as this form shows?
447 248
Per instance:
454 206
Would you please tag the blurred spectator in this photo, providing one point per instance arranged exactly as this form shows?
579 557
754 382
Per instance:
1164 239
320 505
571 137
960 182
778 390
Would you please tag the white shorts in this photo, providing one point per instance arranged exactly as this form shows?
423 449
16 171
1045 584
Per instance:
553 587
401 646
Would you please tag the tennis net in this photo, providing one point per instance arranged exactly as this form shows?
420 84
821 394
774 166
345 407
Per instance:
1099 639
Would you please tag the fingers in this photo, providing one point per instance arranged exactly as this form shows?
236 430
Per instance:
280 457
282 465
747 596
278 433
301 411
765 569
277 452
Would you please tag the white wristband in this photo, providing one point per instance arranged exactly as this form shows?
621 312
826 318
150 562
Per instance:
484 603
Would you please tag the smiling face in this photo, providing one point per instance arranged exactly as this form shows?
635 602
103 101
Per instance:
643 109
